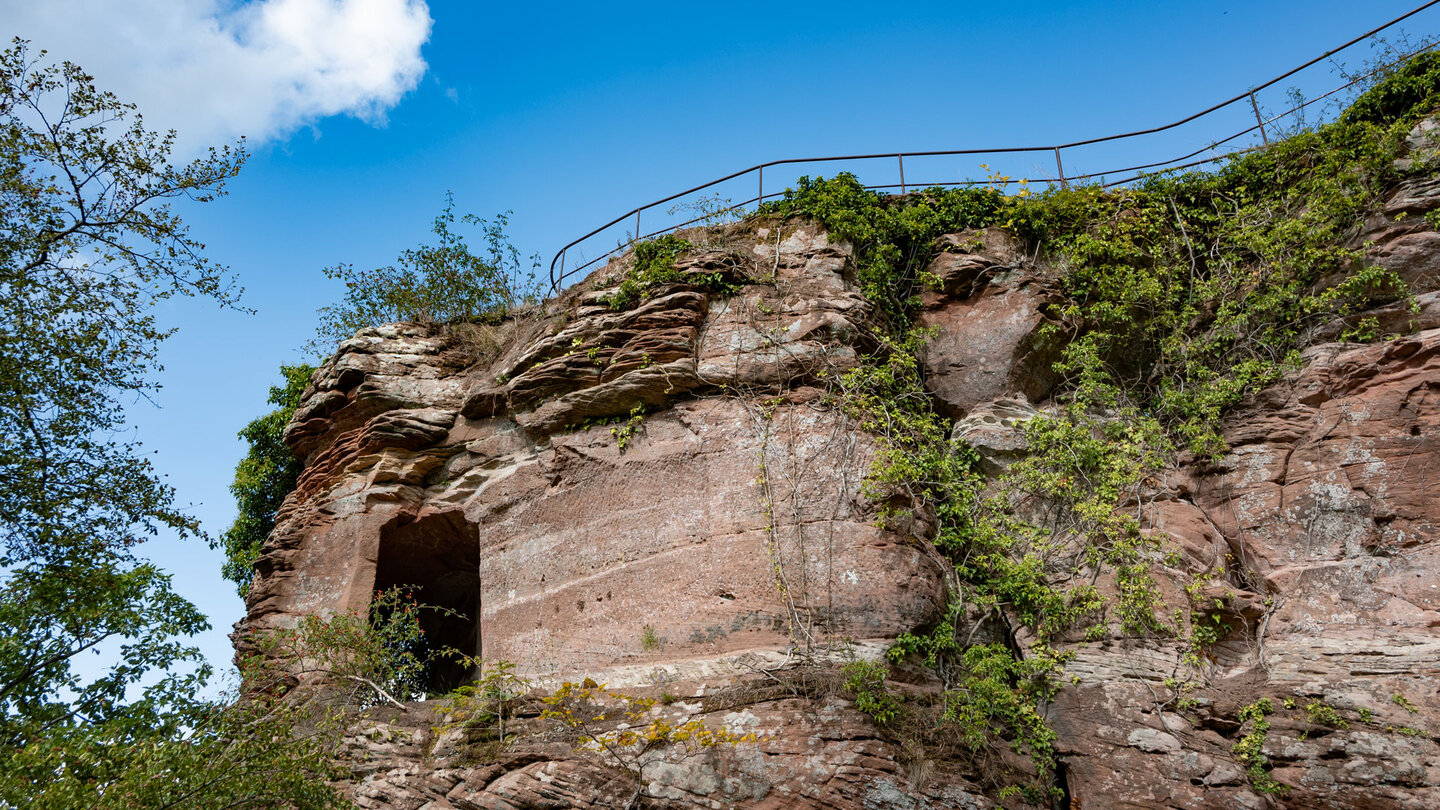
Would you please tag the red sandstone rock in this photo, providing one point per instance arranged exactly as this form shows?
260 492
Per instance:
987 320
1326 506
732 527
726 525
807 753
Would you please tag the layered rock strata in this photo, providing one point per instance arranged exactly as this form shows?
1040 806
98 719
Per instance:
668 498
810 751
1313 541
506 472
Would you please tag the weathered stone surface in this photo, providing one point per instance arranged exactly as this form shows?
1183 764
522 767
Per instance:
987 319
1325 507
729 535
604 346
803 324
380 369
1413 254
1331 486
1399 237
1422 145
684 523
653 386
996 430
727 526
807 753
1121 748
968 259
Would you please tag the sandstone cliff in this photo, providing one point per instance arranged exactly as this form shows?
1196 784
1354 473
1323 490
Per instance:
670 498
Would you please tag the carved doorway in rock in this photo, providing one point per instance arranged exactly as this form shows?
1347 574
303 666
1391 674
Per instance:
438 558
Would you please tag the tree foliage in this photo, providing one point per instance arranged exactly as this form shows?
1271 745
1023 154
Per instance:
271 746
440 283
102 746
365 658
89 244
263 478
1403 95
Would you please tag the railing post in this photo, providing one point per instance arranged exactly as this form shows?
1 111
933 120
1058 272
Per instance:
1060 167
1256 107
556 282
901 158
637 227
761 198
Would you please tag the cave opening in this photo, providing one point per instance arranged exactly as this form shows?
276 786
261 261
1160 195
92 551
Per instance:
437 558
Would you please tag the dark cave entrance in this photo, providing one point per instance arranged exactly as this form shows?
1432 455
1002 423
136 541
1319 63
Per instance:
438 559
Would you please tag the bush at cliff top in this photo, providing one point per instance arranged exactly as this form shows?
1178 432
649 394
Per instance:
893 236
1404 95
1185 293
432 284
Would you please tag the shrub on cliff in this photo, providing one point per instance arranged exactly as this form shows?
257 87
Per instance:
263 478
433 284
1402 96
1177 299
893 237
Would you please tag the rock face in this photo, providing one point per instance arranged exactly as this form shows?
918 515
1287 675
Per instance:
666 498
987 319
810 751
660 497
1315 540
727 522
1325 501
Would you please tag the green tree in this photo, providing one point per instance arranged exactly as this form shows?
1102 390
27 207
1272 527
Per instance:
89 244
263 478
440 283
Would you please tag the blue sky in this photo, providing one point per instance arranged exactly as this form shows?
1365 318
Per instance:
360 115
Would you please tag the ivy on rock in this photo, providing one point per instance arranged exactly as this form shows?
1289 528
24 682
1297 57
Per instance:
1181 297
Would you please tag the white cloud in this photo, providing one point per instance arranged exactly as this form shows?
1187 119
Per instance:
217 70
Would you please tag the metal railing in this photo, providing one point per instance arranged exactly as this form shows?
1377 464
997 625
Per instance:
1128 173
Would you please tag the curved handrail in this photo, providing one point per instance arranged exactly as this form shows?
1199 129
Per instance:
556 281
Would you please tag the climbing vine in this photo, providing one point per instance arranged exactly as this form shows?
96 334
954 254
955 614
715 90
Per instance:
1178 299
1249 750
